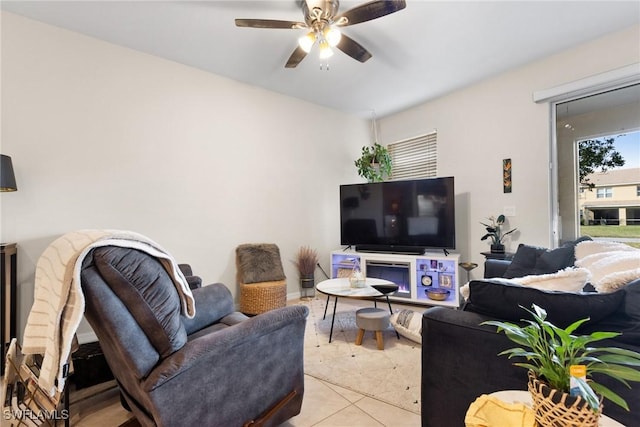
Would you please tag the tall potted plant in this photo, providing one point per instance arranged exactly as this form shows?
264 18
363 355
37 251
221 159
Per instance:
375 163
549 352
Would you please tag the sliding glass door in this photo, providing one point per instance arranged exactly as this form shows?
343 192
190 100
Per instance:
606 126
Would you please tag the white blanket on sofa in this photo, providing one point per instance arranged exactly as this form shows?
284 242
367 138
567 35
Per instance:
611 264
58 304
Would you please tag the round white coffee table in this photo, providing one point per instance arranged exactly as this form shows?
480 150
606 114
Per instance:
341 287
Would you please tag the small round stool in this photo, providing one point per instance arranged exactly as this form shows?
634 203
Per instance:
372 319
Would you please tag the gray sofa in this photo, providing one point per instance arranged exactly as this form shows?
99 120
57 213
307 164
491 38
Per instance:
220 368
460 358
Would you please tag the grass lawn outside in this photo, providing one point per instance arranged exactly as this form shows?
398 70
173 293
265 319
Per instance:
614 232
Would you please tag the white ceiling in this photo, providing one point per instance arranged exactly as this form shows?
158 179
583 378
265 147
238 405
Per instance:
419 53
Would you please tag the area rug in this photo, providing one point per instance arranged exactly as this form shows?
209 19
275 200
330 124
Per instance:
391 375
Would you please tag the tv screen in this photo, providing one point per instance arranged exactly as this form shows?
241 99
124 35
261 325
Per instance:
399 216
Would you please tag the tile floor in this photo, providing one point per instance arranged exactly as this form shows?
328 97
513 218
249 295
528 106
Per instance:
324 405
327 405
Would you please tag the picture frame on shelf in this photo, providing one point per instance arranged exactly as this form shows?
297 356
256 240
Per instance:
445 280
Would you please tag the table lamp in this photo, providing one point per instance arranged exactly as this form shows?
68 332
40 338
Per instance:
7 177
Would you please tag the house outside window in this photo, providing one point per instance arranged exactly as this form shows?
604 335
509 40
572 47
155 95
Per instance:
604 193
615 199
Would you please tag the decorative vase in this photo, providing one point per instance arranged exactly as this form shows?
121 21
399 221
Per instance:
356 279
497 248
554 408
307 281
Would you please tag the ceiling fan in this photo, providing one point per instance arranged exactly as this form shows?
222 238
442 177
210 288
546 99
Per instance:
322 20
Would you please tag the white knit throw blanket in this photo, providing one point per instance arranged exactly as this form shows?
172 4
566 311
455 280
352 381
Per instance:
59 303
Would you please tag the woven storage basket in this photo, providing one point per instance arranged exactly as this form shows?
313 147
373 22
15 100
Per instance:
256 298
553 408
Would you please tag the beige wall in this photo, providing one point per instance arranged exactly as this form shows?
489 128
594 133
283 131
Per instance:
106 137
626 192
497 119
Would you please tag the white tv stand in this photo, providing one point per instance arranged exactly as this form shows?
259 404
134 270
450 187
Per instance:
410 272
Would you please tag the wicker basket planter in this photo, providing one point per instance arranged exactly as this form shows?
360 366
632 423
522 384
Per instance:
554 408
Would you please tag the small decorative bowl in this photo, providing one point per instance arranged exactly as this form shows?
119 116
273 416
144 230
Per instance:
437 294
468 265
385 289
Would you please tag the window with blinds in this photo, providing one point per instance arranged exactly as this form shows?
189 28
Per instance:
415 157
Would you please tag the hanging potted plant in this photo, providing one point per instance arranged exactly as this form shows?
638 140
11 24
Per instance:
495 234
375 163
306 262
550 353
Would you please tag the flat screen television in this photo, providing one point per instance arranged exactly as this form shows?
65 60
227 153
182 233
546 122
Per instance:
399 216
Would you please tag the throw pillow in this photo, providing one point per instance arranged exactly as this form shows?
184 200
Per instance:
556 259
503 301
534 260
259 263
552 260
523 261
408 323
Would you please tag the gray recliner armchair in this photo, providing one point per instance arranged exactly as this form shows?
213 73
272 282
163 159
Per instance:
220 368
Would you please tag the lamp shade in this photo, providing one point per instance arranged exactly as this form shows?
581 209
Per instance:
7 178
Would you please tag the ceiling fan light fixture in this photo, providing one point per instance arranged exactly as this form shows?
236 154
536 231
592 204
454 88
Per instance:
306 42
325 49
323 21
332 35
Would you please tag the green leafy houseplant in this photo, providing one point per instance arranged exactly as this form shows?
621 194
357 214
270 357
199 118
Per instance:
375 163
494 231
550 351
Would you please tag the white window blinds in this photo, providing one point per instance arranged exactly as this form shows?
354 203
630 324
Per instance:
415 157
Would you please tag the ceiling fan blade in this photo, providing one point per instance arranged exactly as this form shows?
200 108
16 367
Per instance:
269 23
295 58
372 10
353 49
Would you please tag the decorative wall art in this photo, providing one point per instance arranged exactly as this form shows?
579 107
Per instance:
506 175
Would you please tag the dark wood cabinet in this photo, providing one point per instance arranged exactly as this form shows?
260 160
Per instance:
8 301
494 255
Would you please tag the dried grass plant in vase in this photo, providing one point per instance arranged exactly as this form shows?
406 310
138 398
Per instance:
551 354
306 261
